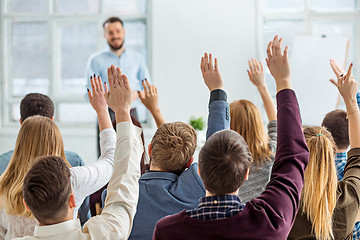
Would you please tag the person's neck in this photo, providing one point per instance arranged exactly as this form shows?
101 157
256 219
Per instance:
209 194
155 168
69 216
119 51
341 150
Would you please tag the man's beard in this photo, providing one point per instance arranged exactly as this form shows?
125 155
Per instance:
116 48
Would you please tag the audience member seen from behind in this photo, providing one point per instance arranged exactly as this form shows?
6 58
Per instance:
169 187
328 208
246 120
53 204
39 136
224 163
37 104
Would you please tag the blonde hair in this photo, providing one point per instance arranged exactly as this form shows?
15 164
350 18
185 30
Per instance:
318 196
173 145
246 120
38 136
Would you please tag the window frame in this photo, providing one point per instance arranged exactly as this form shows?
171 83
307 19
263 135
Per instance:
54 22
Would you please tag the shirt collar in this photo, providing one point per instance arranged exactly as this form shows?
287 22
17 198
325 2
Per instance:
220 200
341 155
56 229
109 51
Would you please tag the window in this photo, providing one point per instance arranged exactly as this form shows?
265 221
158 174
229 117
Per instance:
45 45
289 18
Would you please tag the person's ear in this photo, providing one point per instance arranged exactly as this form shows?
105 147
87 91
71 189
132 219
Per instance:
20 121
188 164
198 170
72 203
26 206
52 118
247 174
149 149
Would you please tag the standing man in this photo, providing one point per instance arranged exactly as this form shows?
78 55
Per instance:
131 63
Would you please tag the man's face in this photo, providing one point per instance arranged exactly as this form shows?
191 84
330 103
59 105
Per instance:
114 34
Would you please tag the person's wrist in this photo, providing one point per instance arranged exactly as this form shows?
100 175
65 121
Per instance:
261 87
102 110
122 115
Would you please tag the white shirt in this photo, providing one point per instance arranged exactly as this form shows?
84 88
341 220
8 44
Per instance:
85 180
115 221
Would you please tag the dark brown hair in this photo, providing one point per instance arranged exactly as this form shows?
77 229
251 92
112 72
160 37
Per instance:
223 162
338 126
112 20
47 189
173 145
36 104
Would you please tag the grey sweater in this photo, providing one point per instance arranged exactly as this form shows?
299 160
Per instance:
259 175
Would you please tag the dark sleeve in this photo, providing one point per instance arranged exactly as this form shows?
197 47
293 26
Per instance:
348 199
219 112
280 200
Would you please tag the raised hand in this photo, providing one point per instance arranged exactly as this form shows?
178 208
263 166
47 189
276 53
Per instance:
119 97
98 102
150 98
211 73
256 73
338 70
278 64
347 85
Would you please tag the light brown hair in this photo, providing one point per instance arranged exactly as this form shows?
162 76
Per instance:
223 162
246 120
318 196
47 188
38 136
173 145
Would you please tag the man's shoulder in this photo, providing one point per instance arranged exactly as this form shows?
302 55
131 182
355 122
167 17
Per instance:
172 220
4 160
99 54
6 155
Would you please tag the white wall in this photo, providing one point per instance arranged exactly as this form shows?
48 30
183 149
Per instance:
181 32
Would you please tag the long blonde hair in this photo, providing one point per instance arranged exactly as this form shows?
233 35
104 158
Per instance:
38 136
246 120
318 197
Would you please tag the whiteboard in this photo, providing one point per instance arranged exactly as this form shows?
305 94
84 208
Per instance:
311 71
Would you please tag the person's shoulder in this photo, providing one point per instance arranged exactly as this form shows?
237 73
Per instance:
172 220
74 159
7 155
98 54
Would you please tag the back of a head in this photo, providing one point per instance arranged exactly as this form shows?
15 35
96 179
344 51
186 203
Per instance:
47 189
36 104
38 136
223 162
173 145
246 120
338 126
318 197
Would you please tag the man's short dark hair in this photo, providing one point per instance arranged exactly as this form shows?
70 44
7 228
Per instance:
47 189
338 126
112 20
223 162
36 104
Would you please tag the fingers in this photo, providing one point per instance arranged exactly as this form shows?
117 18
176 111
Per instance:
125 81
106 87
333 82
141 95
261 67
202 64
278 47
268 50
336 68
89 94
206 62
274 46
146 89
286 50
251 65
110 77
211 67
348 74
216 65
92 83
249 73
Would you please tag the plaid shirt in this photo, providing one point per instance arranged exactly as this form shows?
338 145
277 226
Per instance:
340 161
217 207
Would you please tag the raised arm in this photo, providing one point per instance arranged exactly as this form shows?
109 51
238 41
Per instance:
282 194
256 76
115 221
150 98
219 113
